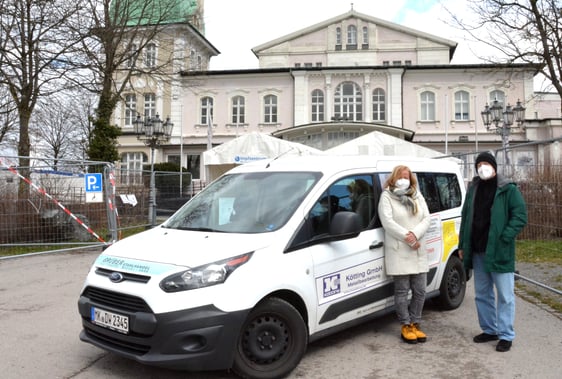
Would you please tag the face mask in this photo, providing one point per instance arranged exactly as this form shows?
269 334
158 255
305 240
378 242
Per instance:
485 172
402 184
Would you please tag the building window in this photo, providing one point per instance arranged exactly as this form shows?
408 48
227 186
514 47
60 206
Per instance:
351 35
348 102
379 106
133 53
270 109
192 60
308 65
297 65
199 62
338 36
317 105
408 62
365 35
318 64
396 63
427 102
130 109
497 95
131 167
193 165
149 105
461 106
238 111
150 55
206 110
385 63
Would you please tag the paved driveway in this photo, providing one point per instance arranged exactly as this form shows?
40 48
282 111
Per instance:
39 327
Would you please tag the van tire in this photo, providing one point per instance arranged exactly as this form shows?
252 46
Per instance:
453 285
272 341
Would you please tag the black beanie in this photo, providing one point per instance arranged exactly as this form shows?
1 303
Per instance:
486 157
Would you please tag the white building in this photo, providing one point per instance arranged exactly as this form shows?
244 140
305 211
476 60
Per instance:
343 78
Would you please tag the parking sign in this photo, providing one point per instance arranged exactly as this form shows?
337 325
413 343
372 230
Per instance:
94 188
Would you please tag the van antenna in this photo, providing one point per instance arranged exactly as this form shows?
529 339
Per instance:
280 155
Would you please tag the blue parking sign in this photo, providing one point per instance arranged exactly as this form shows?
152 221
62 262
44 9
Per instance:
93 182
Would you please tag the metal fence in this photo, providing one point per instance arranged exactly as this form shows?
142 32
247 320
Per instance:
56 208
60 205
48 203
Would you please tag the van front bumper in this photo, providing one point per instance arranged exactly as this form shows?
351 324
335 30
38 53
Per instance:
197 339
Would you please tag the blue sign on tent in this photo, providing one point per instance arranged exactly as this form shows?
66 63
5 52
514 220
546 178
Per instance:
93 182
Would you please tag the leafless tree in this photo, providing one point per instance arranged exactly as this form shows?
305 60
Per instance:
115 34
522 31
54 130
34 44
8 119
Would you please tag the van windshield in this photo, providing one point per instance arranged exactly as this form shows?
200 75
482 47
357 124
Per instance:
245 203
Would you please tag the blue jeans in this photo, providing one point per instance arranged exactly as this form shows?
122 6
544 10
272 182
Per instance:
402 285
496 316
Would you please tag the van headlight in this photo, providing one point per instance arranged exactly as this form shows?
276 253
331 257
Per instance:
203 276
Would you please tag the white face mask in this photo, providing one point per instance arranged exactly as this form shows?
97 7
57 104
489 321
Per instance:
402 184
485 172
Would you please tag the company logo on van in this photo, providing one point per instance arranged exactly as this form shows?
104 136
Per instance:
332 285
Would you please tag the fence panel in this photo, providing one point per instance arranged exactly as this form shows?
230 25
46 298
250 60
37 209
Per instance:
48 203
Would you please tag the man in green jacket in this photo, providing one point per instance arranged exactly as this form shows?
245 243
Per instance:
493 214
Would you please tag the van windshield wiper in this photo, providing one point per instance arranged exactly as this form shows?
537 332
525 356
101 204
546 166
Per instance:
199 229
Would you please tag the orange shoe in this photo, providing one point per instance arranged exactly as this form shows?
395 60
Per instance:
408 334
420 336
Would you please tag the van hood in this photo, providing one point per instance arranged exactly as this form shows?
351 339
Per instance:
186 248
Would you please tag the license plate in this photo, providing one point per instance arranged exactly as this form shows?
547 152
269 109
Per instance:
110 320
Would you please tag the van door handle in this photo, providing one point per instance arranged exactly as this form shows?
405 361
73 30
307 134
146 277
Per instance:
376 245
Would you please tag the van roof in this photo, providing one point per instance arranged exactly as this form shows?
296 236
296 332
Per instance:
336 163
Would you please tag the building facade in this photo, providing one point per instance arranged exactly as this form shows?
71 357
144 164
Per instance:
340 79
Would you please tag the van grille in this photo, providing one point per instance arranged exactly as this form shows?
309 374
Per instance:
116 300
126 346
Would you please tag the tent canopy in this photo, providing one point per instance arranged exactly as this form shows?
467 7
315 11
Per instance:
247 148
377 143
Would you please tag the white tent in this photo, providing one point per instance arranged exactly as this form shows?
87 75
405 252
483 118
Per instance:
377 143
247 148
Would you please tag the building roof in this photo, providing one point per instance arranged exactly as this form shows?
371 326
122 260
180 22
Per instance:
354 14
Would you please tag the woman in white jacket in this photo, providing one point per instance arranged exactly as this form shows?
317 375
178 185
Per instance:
405 219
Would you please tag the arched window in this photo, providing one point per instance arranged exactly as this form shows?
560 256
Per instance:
427 102
462 106
351 35
270 109
348 102
365 35
497 95
338 36
206 110
317 102
379 105
238 111
150 55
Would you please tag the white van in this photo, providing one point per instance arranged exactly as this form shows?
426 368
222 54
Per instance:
267 258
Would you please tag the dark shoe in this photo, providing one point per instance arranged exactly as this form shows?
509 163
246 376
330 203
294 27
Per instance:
503 346
485 337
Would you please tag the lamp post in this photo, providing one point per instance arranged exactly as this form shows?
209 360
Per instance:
500 120
153 132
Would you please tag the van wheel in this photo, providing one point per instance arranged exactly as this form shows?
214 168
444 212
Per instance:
453 285
272 341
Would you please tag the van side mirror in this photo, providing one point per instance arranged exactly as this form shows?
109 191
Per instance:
345 224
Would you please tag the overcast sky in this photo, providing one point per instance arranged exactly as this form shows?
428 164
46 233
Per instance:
235 27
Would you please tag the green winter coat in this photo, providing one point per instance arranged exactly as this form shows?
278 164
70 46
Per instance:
508 216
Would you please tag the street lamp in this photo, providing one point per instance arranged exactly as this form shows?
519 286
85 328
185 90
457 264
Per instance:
500 120
153 132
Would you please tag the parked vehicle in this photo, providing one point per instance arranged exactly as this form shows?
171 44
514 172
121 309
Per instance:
264 260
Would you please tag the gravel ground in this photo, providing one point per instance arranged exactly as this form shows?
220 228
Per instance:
547 274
